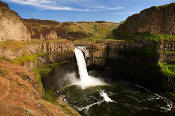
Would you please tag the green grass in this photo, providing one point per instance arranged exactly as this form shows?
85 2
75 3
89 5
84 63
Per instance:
13 45
43 70
40 84
68 110
171 67
98 30
38 76
62 53
92 40
167 69
16 45
51 96
162 6
144 36
167 52
31 58
46 69
73 30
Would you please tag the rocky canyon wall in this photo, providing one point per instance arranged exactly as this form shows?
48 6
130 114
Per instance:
167 51
137 62
155 20
30 54
101 51
11 25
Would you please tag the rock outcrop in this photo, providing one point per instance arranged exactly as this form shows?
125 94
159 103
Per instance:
157 19
11 25
52 35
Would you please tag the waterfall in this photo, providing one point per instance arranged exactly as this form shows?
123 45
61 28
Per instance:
81 65
85 80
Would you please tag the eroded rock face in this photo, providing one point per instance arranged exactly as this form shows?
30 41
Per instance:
160 19
167 45
100 52
167 53
50 36
11 25
46 52
132 61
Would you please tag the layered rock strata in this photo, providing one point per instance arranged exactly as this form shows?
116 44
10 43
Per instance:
12 26
155 20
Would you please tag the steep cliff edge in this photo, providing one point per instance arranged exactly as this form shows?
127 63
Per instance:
12 26
137 62
155 20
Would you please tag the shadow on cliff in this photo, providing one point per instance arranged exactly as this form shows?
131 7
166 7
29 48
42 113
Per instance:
61 76
137 65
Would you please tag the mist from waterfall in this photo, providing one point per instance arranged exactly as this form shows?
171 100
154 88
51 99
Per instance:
85 80
91 96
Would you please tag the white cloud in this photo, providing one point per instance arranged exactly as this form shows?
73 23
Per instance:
88 5
46 4
93 4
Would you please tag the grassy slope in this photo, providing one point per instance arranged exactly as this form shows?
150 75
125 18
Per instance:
15 82
70 30
141 36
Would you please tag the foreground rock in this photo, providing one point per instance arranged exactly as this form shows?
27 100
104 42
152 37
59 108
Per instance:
20 93
12 26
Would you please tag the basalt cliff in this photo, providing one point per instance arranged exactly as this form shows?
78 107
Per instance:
12 26
155 20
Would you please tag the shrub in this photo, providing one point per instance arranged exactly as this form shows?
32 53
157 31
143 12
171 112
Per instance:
3 73
167 69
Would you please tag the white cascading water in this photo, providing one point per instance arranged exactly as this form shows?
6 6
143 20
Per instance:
85 80
105 97
81 65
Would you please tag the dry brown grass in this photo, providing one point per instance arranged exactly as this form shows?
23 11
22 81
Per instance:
70 30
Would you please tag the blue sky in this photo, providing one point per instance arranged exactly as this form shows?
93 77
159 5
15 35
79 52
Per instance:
81 10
